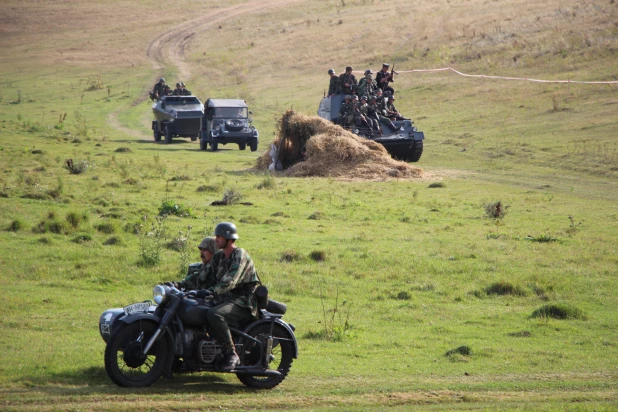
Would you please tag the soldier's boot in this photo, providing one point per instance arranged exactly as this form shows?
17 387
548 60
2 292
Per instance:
230 361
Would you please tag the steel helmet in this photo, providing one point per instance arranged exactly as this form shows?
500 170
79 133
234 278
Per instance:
161 80
363 98
368 71
177 84
226 230
347 97
331 71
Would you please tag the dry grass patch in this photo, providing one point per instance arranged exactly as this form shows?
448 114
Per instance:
311 146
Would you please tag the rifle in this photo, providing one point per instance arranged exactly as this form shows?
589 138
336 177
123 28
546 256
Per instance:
389 78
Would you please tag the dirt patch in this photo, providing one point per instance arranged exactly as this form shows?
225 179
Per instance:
311 146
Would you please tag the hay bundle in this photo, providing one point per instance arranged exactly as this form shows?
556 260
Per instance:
312 146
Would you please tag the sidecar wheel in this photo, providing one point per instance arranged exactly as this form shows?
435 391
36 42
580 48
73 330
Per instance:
124 362
282 352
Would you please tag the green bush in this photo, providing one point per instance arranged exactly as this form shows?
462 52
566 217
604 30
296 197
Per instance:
107 228
558 311
170 207
504 288
15 226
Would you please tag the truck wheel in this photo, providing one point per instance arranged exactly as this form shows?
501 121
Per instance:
214 146
203 145
253 145
194 138
242 146
168 136
156 133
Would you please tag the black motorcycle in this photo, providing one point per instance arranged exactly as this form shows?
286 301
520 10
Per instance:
145 341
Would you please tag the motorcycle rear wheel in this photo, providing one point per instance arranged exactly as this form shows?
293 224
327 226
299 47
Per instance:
282 352
123 361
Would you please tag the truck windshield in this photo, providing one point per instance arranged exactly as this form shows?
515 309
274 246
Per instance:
231 112
181 101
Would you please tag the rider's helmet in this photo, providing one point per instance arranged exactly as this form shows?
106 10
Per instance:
161 80
331 71
227 230
368 71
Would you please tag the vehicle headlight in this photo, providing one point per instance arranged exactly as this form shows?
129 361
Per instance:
159 295
414 129
172 120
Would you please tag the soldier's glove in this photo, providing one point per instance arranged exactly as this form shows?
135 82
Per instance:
204 293
171 284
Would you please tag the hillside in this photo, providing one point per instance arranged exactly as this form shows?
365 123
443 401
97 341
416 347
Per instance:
422 267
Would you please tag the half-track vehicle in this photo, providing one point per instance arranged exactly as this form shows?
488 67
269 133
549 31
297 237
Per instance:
404 142
227 121
177 116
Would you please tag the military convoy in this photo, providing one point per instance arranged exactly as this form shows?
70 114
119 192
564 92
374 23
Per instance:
218 122
403 142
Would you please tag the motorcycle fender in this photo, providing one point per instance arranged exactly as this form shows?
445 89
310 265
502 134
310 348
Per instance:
419 136
167 335
282 324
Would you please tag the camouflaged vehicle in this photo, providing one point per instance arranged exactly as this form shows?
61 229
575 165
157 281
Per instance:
404 142
227 121
177 116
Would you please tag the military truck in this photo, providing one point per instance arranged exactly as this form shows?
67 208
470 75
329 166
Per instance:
227 121
177 116
404 142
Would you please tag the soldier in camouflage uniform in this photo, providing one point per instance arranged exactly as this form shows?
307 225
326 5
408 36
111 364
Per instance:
367 86
347 82
185 92
157 90
233 281
363 115
391 111
178 90
333 86
376 112
196 275
344 111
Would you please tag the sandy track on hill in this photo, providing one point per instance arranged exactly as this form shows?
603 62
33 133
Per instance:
169 47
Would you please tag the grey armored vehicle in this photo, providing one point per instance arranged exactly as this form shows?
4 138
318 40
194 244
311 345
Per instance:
227 121
404 142
177 116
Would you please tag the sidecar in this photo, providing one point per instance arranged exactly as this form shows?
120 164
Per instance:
108 322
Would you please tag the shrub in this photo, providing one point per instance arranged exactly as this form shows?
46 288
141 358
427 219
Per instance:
170 207
542 238
436 185
205 188
82 238
495 210
77 167
114 240
15 226
316 216
107 228
182 178
318 256
51 225
403 296
122 150
558 311
231 196
290 256
151 242
75 219
461 350
269 182
504 288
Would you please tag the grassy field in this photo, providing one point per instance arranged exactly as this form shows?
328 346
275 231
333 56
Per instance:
418 266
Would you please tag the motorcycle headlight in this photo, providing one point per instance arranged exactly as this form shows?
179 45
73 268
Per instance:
414 129
159 295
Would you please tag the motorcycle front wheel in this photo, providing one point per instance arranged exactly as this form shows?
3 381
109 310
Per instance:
282 356
125 363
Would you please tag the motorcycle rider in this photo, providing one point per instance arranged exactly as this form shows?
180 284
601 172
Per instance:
196 276
232 281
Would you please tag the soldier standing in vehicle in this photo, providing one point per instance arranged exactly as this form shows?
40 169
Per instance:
347 81
157 90
383 78
234 280
333 86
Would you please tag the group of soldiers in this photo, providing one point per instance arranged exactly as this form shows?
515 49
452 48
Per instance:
346 82
161 89
374 108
